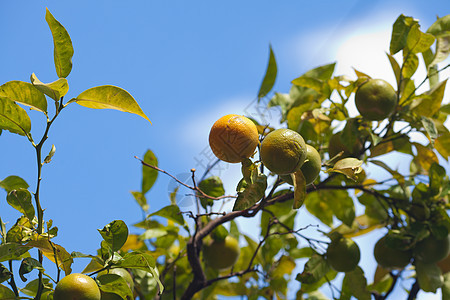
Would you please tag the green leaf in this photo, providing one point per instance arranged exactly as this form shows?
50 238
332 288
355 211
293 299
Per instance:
349 166
62 46
141 200
417 41
149 175
93 266
429 276
441 30
21 200
270 77
109 97
410 65
31 288
55 253
249 194
442 145
24 93
6 293
212 186
12 251
113 283
314 270
13 117
153 233
115 234
49 157
319 208
29 264
400 31
395 67
54 90
355 284
13 183
171 212
299 189
284 266
429 103
430 127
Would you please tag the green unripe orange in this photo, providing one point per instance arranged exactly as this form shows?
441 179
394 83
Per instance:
343 255
375 99
222 255
76 287
313 163
431 250
391 258
283 151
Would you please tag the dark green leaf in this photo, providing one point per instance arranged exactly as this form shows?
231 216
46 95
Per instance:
113 283
109 97
29 264
6 293
24 93
429 276
13 117
115 234
54 90
149 175
171 212
12 251
13 183
269 78
436 175
315 269
213 187
5 274
21 200
249 194
355 284
62 46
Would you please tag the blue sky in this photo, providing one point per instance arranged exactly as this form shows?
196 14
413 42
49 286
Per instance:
186 63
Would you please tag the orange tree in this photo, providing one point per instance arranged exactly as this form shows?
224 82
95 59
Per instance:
195 253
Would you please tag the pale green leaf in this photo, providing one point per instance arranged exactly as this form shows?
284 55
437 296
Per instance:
24 93
429 103
21 200
410 65
269 78
13 117
417 41
54 90
113 283
63 49
395 67
109 97
171 212
349 166
441 30
49 157
430 127
6 293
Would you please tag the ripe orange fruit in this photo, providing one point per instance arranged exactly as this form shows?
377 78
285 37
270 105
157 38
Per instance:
431 250
76 287
343 255
233 138
222 255
375 99
283 151
336 145
313 164
391 258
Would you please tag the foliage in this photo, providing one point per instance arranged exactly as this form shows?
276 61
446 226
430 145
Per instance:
166 258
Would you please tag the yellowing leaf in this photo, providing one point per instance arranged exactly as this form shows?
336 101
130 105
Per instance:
109 97
13 117
24 93
299 189
56 253
133 243
425 157
54 90
349 166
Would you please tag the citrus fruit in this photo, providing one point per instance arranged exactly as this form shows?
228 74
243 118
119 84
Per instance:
336 145
343 254
312 165
375 99
223 254
76 287
431 249
233 138
283 151
390 258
